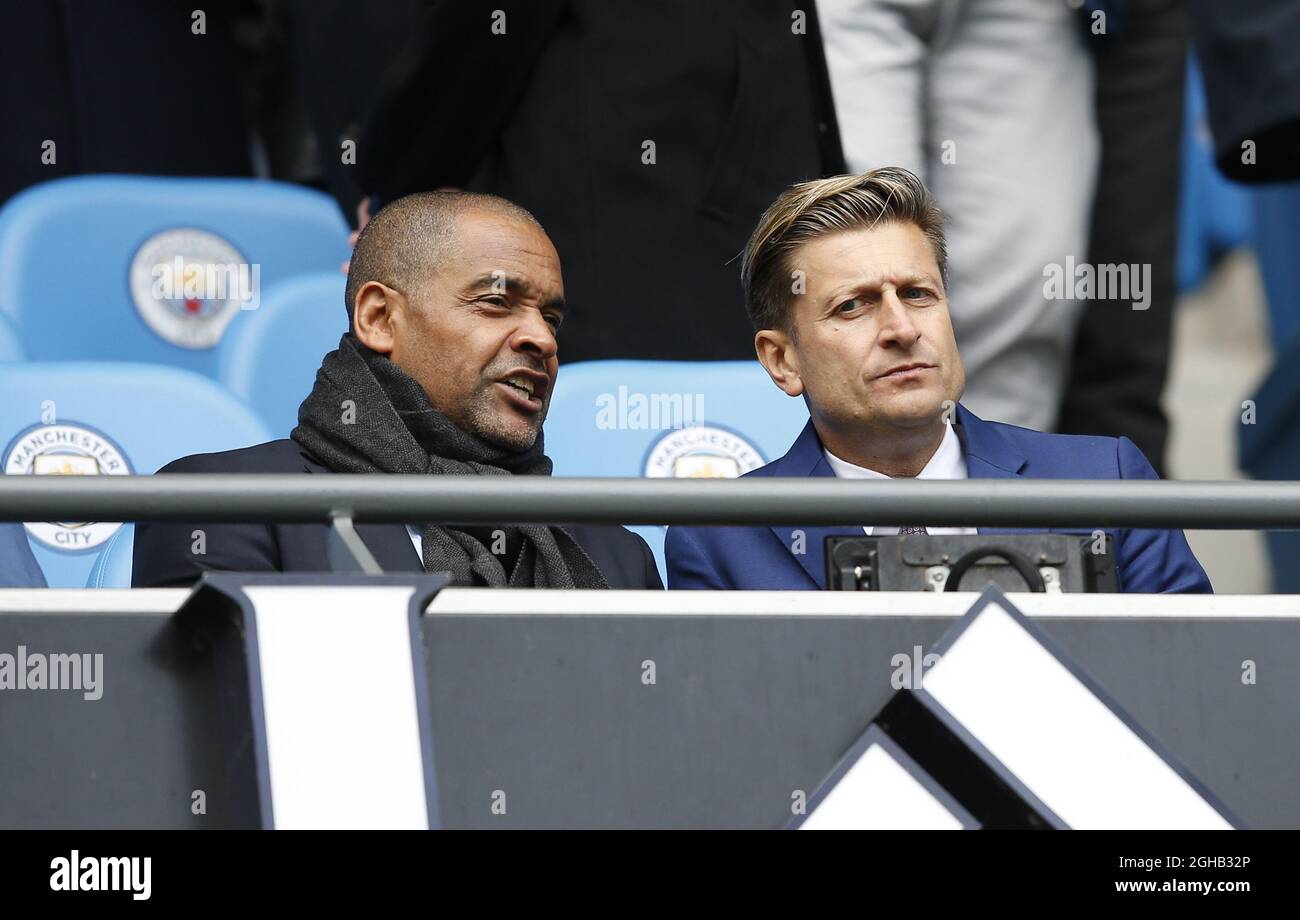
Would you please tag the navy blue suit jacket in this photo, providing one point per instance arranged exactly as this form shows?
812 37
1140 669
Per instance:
164 557
18 566
1147 561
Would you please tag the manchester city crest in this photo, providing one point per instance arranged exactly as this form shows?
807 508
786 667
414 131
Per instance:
188 284
701 452
67 449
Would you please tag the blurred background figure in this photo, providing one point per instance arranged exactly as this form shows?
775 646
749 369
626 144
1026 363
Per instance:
1252 88
90 87
266 88
990 102
1252 82
307 89
646 137
1120 358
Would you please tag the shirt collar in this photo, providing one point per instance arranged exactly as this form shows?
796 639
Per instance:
948 462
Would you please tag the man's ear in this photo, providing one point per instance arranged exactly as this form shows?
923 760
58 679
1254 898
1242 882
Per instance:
377 315
777 354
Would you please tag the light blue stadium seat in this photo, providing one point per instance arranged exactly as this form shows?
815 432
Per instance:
113 418
270 358
78 259
112 568
617 418
10 348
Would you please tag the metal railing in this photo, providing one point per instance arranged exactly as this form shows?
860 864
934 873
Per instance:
754 501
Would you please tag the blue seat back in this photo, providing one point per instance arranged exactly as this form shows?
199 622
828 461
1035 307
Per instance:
107 418
269 359
145 269
668 419
10 348
112 567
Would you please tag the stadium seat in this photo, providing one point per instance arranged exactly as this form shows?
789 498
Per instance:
270 358
112 568
108 418
85 263
10 349
668 419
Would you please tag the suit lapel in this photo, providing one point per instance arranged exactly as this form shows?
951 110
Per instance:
805 459
989 455
390 544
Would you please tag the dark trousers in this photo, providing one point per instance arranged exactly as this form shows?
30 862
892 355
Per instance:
1121 355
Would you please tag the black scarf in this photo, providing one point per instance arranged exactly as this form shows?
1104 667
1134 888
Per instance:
391 427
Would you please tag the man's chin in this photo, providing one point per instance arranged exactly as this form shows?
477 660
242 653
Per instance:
502 426
512 439
914 413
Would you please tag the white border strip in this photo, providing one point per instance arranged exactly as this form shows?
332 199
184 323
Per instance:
338 693
92 600
512 602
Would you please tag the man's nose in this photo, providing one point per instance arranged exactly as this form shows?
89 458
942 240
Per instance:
535 336
896 325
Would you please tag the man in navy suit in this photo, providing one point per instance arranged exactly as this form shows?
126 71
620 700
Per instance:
845 282
455 301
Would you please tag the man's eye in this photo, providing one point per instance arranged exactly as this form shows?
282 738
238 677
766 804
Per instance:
496 301
555 321
847 307
916 293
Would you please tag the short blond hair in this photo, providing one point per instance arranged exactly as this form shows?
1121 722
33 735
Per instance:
813 209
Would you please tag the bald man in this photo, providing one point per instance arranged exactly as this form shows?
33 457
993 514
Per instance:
456 302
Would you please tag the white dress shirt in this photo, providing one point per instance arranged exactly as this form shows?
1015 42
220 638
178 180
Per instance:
948 462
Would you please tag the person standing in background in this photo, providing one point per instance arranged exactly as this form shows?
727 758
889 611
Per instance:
1121 355
990 102
90 87
639 134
